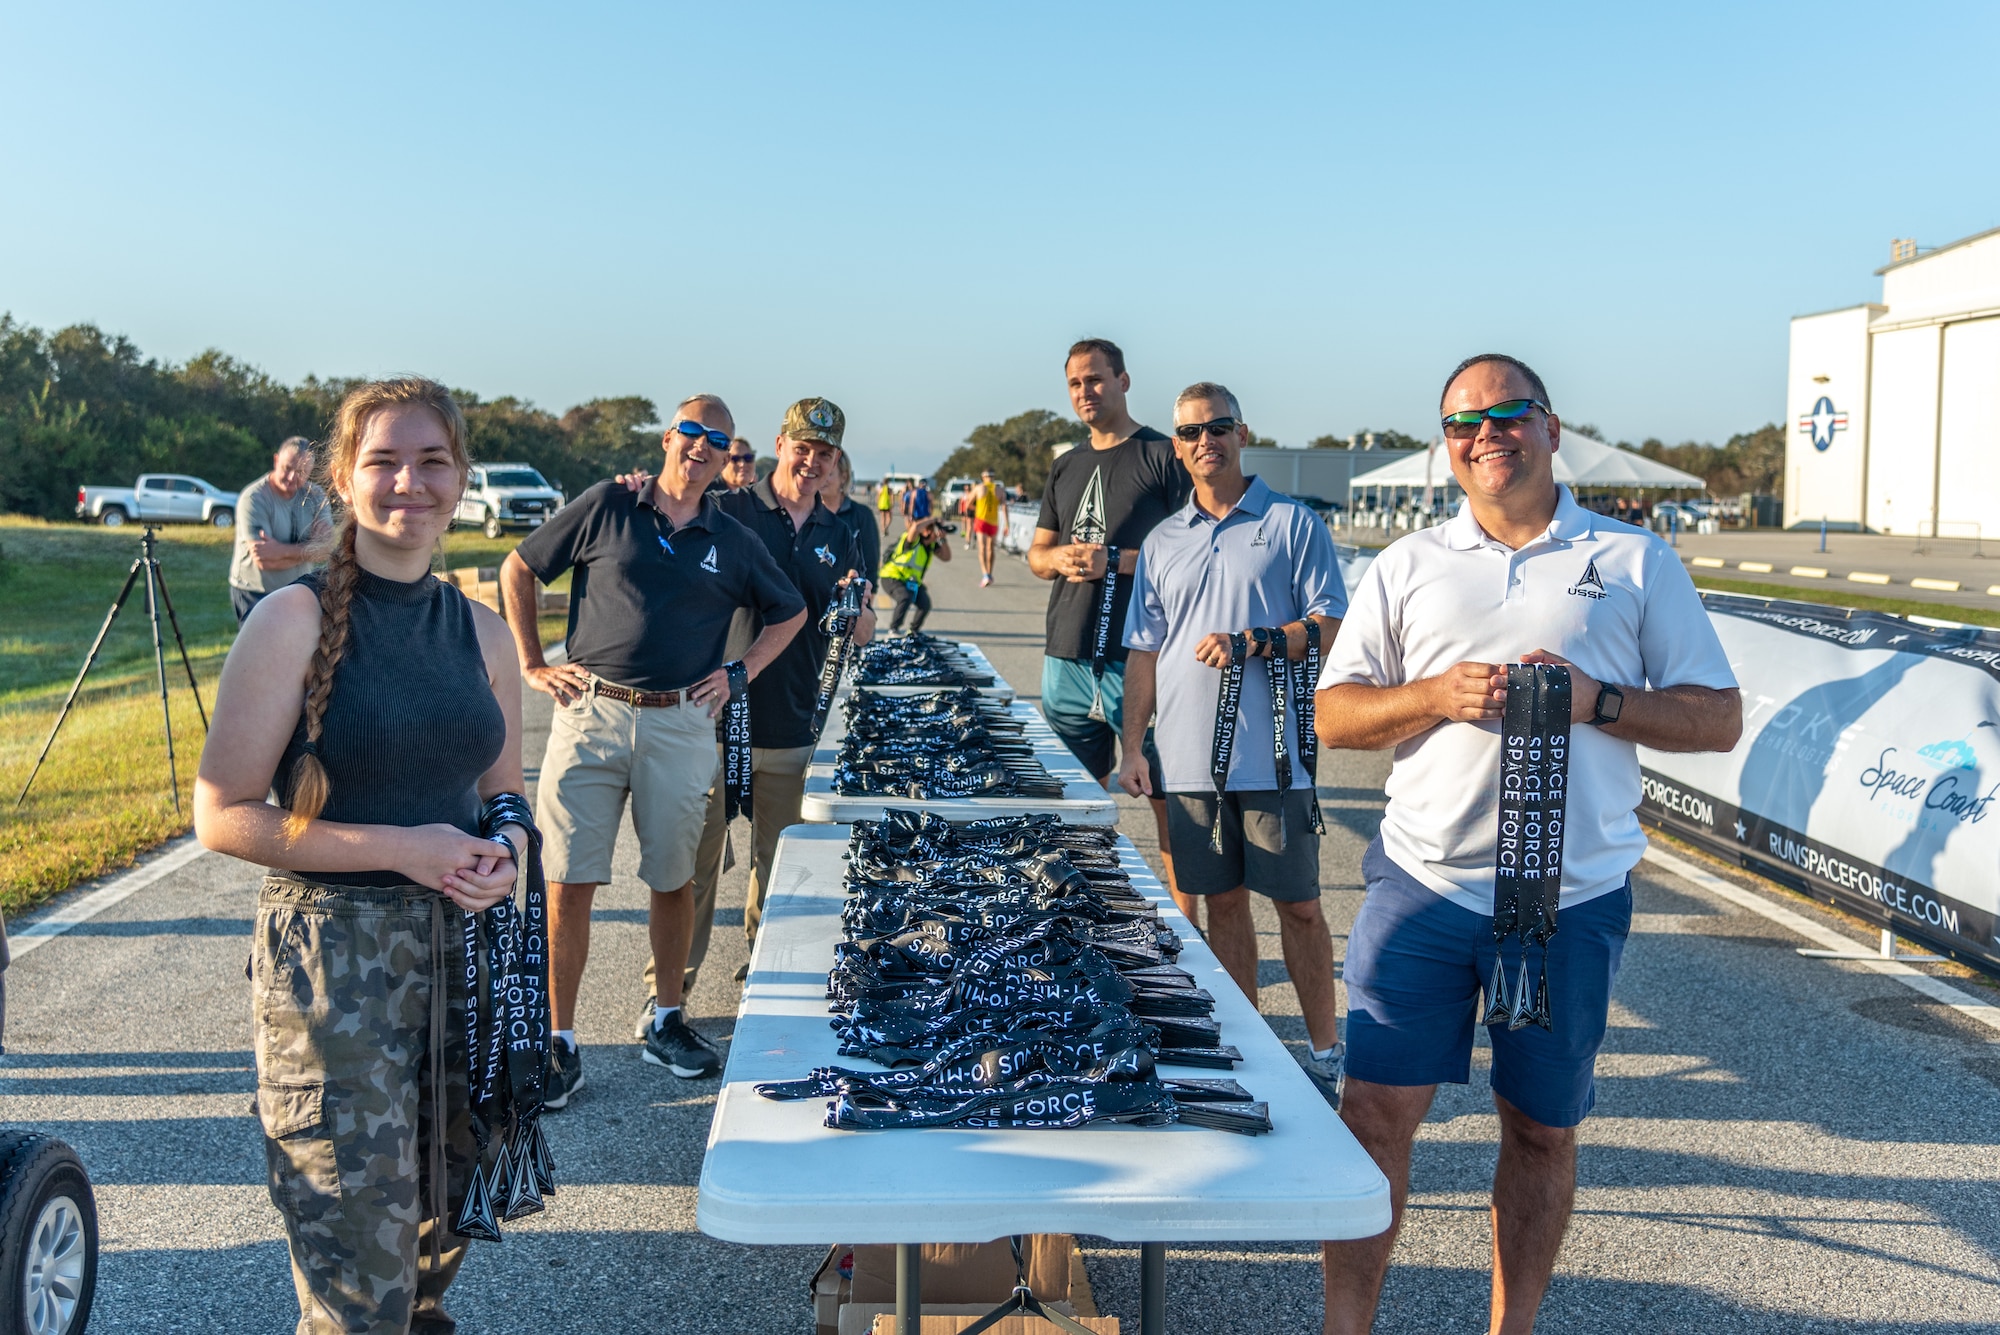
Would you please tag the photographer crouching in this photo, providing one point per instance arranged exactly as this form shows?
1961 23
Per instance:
902 575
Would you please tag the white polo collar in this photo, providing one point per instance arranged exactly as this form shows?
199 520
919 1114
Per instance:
1572 523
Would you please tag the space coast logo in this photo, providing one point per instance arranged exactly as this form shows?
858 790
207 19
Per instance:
1938 786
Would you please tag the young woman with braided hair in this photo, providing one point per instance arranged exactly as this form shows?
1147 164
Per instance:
380 709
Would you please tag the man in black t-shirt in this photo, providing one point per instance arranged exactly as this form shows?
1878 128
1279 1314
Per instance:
657 577
1102 496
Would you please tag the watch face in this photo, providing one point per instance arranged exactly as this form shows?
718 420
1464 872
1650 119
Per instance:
1610 701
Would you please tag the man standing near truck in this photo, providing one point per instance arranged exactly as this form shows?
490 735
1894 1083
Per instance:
282 525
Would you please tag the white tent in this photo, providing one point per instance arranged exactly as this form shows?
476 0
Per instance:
1580 462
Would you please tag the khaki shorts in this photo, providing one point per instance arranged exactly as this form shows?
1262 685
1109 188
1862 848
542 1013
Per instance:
600 750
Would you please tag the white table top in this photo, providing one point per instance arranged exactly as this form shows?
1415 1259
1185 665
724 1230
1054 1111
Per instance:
775 1174
999 690
1084 800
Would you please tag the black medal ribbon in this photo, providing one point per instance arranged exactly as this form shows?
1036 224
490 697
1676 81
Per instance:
1280 665
1107 597
736 744
1304 684
507 1037
1228 700
838 624
1527 881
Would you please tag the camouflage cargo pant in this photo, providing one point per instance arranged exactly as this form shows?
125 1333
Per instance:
343 985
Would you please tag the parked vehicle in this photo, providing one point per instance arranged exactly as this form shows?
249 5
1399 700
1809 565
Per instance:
956 493
1321 506
507 497
170 498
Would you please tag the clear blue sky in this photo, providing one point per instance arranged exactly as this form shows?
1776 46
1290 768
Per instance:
913 209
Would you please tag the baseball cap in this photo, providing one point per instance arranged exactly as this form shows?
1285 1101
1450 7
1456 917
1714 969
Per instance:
814 419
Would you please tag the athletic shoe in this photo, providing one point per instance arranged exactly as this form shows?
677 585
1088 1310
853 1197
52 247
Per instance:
640 1030
565 1074
681 1050
984 580
1328 1074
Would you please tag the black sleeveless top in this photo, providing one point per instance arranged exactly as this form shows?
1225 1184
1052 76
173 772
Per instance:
412 722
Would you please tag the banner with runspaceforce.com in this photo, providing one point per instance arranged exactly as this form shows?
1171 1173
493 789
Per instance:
1869 769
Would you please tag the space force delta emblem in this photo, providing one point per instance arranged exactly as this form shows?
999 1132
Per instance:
1589 584
708 562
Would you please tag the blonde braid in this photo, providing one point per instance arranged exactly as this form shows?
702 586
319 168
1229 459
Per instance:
310 786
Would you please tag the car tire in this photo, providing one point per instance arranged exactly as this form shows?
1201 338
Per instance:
223 519
492 527
112 516
48 1236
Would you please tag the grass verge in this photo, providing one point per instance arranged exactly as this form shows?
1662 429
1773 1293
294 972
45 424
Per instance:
102 797
1905 607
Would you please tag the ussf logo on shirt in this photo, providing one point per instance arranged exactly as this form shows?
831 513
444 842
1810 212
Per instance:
1589 584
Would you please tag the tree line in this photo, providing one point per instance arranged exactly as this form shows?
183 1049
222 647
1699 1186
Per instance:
79 407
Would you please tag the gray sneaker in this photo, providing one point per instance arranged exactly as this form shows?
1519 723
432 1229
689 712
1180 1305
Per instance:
1328 1074
681 1050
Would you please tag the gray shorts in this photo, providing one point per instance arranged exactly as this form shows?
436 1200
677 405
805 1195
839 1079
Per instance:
1251 855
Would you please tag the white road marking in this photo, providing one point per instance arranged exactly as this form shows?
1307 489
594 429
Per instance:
1971 1007
30 936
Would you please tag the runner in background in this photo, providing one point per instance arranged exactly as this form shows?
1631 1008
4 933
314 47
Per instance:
988 504
902 575
1239 560
885 506
1109 492
916 502
1522 573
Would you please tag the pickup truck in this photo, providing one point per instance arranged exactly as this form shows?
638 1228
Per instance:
155 498
503 497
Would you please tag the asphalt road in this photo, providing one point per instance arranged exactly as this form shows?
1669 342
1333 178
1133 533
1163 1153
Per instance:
1780 1144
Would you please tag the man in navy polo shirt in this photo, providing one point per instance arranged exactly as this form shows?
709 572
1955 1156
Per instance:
1235 563
1522 573
658 576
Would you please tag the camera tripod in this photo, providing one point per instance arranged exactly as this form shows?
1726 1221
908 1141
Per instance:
156 596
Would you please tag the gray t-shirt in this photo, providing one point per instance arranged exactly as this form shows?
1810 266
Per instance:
262 512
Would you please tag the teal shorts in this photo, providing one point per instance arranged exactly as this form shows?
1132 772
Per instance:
1068 687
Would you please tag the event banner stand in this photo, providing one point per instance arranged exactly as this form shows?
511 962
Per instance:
1868 772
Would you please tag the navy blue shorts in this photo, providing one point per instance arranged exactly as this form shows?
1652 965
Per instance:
1416 963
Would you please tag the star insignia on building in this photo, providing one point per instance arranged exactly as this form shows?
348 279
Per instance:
1822 422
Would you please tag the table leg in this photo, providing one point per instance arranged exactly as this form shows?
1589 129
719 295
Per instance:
909 1288
1152 1288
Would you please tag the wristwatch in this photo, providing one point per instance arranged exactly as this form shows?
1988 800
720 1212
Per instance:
1610 704
1260 643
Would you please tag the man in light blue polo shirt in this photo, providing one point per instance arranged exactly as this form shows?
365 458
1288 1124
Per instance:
1235 573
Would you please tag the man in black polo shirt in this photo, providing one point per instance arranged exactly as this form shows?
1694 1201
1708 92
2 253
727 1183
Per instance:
657 578
819 553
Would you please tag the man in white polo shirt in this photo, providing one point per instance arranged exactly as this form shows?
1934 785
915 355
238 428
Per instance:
1522 573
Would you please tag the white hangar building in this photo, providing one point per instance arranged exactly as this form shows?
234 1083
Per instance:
1894 405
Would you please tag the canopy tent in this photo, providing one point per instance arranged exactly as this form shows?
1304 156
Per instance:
1580 462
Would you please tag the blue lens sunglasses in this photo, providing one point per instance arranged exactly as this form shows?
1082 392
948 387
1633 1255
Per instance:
717 438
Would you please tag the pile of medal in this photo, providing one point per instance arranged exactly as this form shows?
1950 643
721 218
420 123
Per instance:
1010 976
937 745
917 659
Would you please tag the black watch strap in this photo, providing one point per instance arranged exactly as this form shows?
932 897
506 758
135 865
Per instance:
1616 697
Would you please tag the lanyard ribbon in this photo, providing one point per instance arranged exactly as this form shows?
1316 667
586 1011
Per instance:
1304 681
1280 666
1527 877
507 1039
736 744
838 623
1228 699
1107 596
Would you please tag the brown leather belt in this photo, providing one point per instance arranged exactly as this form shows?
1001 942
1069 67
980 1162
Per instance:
639 699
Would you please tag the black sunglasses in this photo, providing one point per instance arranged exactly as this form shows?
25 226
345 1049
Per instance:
1465 425
1221 426
720 438
742 458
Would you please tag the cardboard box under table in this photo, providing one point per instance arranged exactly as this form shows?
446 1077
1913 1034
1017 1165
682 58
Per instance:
775 1173
1084 800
